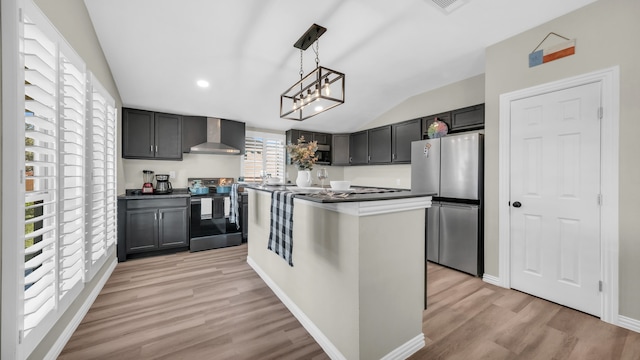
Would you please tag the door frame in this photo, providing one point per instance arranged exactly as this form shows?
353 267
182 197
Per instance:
609 173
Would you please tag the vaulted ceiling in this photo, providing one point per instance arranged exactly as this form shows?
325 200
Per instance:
389 51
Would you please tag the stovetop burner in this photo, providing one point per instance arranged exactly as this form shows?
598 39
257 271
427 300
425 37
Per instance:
212 184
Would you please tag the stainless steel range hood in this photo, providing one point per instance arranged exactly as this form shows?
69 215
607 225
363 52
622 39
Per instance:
214 144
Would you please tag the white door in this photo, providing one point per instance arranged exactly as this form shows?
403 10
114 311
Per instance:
555 186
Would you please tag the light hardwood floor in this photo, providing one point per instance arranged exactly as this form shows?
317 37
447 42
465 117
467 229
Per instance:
212 305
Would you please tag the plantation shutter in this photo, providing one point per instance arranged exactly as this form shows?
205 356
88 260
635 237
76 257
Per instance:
64 226
41 185
253 158
110 163
100 204
72 156
274 157
263 151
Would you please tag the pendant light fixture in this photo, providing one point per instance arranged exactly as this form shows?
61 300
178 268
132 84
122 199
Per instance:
318 91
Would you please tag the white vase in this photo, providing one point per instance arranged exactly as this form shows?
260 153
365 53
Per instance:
304 178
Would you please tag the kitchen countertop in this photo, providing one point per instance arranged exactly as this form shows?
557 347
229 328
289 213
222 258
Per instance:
177 193
393 194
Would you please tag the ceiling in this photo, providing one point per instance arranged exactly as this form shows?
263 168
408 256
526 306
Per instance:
389 51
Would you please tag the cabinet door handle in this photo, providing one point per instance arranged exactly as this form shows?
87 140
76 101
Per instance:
350 159
151 148
393 156
156 148
155 216
369 158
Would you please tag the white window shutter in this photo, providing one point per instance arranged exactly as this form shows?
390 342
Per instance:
263 151
100 202
71 209
65 197
41 180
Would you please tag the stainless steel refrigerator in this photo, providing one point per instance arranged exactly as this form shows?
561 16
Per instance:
451 168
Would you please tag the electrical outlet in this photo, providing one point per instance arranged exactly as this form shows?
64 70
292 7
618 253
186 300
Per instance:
172 174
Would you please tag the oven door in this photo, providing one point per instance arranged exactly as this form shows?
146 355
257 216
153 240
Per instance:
208 225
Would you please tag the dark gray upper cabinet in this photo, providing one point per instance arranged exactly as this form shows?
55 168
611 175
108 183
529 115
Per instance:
428 120
293 135
168 136
359 148
322 138
138 134
308 136
324 153
380 145
151 135
194 131
469 118
340 149
233 134
402 134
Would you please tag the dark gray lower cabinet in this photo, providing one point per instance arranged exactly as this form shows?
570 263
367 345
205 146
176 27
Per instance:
154 224
142 230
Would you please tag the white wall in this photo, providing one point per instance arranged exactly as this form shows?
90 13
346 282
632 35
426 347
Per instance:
454 96
192 165
606 34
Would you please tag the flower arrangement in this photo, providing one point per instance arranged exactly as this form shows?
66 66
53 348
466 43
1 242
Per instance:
303 154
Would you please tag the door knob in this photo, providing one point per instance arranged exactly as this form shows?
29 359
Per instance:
517 204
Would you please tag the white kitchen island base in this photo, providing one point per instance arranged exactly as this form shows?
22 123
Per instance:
357 284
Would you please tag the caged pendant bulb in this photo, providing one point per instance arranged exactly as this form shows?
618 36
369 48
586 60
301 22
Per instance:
325 88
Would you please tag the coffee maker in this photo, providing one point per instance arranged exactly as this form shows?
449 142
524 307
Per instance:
147 177
163 186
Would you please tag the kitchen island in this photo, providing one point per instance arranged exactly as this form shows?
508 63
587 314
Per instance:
357 280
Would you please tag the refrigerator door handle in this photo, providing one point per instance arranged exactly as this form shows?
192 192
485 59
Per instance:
467 206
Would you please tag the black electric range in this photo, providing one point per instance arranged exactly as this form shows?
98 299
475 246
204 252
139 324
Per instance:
211 225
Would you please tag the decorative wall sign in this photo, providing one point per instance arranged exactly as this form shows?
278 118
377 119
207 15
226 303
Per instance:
554 52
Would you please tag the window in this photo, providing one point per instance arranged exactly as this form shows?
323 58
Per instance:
59 215
263 151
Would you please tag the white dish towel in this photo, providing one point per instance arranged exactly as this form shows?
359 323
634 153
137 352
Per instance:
205 208
227 206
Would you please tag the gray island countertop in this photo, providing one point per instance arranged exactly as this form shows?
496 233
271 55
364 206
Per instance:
355 194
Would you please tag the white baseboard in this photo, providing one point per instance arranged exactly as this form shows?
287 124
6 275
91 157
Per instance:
64 337
629 323
493 280
407 349
400 353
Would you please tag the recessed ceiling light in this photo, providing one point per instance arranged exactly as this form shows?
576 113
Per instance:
203 83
